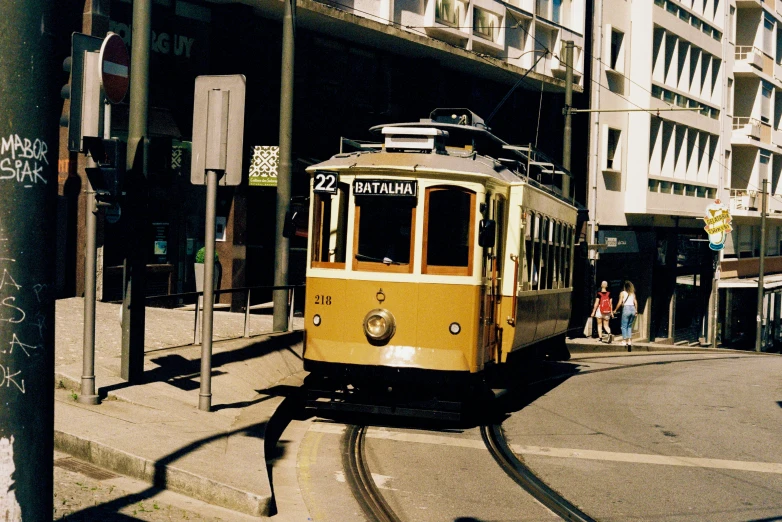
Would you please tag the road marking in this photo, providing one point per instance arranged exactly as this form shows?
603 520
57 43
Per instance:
632 458
381 481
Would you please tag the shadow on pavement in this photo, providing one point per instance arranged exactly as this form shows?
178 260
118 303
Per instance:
183 373
159 482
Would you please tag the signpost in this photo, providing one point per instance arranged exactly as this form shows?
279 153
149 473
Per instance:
114 68
218 131
105 78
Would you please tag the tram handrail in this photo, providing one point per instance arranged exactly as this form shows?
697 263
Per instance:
512 317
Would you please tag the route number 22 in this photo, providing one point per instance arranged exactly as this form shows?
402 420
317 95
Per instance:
325 182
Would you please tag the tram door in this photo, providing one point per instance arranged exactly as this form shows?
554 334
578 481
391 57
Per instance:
492 268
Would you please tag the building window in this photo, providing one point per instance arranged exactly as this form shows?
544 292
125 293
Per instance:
485 24
768 34
730 96
731 21
617 51
613 149
765 102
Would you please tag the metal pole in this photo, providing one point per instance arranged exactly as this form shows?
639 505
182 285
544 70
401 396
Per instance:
196 340
761 269
205 394
29 110
87 393
280 320
568 131
247 316
133 306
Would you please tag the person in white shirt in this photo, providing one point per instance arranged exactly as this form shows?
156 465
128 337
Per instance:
629 304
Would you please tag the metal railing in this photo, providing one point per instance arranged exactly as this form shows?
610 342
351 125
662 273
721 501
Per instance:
182 298
744 52
748 123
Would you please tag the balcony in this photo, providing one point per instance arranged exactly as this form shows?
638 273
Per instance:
746 56
743 200
745 127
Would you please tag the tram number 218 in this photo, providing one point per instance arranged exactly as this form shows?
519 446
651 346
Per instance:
323 300
325 182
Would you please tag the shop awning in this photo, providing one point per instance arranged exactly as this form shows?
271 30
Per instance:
769 282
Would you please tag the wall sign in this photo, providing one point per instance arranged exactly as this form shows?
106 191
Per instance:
385 187
718 227
264 166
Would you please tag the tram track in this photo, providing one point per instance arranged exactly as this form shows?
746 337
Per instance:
494 439
375 507
359 478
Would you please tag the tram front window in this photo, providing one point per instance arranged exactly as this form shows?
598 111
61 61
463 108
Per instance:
385 233
449 230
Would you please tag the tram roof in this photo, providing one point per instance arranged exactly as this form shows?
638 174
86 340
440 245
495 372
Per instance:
462 163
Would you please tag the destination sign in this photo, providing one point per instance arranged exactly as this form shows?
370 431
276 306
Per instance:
385 187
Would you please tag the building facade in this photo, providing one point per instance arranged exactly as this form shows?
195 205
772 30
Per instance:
357 64
653 170
652 174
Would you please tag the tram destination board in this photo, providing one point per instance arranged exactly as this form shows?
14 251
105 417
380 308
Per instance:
385 187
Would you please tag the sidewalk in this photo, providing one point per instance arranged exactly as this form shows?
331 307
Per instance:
584 345
154 431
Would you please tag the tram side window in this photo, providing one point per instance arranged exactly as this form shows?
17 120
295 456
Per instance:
526 240
384 238
552 257
499 217
562 252
568 254
329 226
449 231
544 248
536 249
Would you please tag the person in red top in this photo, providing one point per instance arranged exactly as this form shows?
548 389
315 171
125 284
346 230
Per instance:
603 311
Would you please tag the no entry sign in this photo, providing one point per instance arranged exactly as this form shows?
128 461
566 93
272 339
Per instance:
114 62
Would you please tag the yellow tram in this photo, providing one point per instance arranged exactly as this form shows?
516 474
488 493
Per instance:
435 255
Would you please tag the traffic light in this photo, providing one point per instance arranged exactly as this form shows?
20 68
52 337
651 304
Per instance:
106 178
83 90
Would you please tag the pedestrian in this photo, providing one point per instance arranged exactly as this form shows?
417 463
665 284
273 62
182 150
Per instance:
629 305
602 311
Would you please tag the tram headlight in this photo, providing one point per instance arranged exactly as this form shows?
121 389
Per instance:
379 325
316 320
454 328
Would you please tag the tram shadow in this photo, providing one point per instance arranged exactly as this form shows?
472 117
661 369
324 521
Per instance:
499 395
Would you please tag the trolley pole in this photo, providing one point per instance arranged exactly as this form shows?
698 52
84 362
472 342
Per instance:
133 306
280 321
761 269
568 131
29 113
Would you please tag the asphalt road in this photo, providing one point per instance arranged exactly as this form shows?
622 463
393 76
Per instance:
626 437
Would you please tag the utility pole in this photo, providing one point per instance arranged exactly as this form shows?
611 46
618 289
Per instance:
135 264
29 114
761 268
280 321
568 132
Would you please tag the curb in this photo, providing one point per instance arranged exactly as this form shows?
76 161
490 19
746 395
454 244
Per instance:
163 477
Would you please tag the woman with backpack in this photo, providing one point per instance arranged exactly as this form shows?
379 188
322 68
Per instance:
629 304
602 311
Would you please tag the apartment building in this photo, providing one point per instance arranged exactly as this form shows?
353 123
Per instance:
654 170
359 63
754 103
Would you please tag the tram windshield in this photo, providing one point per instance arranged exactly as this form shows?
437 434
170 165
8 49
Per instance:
385 233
